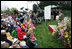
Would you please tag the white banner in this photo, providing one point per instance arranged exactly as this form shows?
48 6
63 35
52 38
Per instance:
47 12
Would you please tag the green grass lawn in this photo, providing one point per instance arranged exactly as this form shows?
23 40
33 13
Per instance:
44 35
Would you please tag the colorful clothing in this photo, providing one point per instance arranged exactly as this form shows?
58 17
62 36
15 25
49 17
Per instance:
8 35
24 46
20 34
14 33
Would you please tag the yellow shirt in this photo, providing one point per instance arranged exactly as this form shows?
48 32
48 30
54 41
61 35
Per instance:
8 35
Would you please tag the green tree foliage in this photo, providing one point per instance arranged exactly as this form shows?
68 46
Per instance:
65 5
9 11
12 10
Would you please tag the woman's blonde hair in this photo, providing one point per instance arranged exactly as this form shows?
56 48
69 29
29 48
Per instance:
5 45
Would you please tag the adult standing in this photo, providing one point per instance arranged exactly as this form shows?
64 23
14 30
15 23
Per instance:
30 13
55 13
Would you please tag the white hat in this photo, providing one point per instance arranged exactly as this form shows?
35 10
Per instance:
21 13
2 42
23 43
8 24
24 37
3 31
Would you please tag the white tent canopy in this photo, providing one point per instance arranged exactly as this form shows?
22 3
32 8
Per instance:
53 6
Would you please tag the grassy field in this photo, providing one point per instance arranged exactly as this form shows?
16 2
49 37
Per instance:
44 35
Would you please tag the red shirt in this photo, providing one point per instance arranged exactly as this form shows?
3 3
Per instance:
20 34
12 16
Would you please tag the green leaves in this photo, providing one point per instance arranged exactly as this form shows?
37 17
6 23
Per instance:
65 5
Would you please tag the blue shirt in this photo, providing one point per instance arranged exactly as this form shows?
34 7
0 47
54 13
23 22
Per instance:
24 46
25 16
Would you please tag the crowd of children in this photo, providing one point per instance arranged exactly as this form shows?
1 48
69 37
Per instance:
17 31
